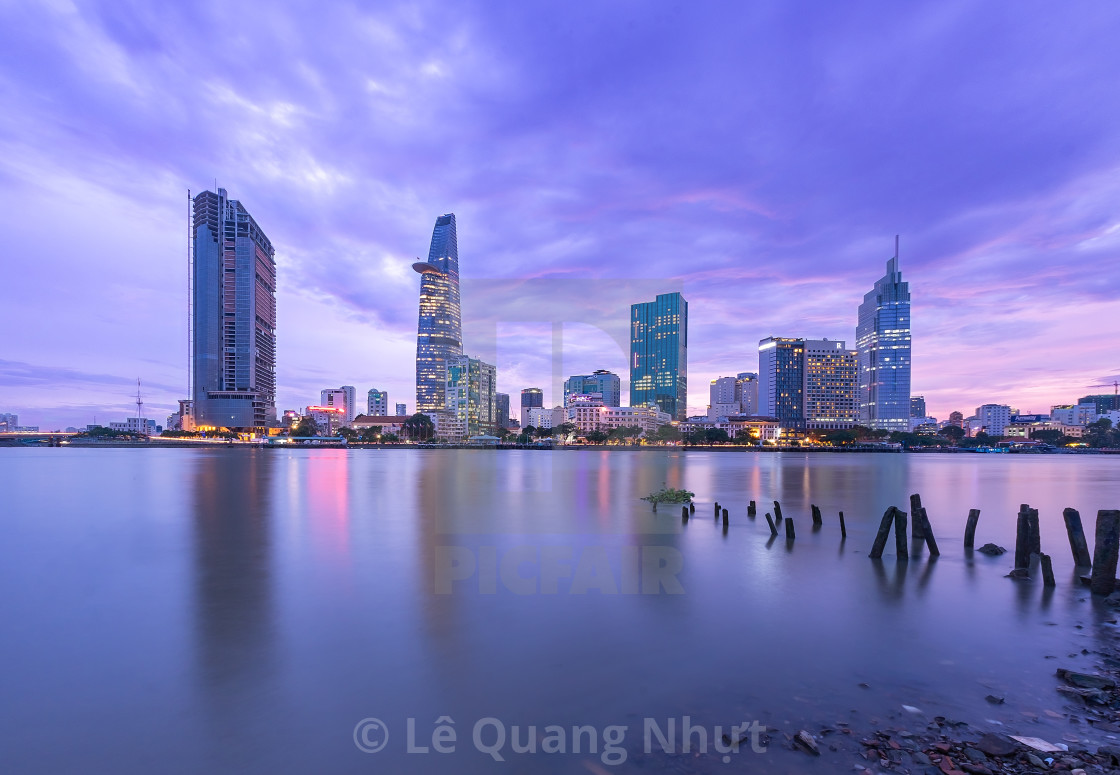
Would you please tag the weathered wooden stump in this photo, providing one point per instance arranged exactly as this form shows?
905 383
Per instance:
1022 540
770 522
916 522
691 508
1076 534
752 509
1047 570
725 518
816 515
843 527
789 530
881 537
970 528
901 551
684 515
1034 537
927 531
777 512
1105 549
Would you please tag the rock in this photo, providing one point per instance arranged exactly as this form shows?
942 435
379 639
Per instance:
975 769
805 742
976 756
911 709
1093 696
994 699
992 550
1018 573
1036 761
921 759
1084 680
997 745
1037 744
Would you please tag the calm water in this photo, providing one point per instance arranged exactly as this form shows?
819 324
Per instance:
194 611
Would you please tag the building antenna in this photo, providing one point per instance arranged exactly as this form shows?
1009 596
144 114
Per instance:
139 406
896 247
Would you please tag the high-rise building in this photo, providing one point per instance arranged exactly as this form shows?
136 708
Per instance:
659 354
8 422
830 385
377 403
917 406
531 398
724 398
748 393
883 344
781 380
344 398
1106 402
601 381
471 399
992 419
401 410
233 317
957 419
501 403
439 332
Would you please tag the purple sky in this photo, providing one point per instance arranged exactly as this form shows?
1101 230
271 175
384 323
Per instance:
760 157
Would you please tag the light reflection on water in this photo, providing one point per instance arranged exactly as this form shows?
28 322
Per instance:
227 610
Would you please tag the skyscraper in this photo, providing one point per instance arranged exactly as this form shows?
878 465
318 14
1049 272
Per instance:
601 381
748 392
471 402
501 403
377 403
531 398
918 406
781 380
344 398
439 332
883 344
233 316
830 385
659 354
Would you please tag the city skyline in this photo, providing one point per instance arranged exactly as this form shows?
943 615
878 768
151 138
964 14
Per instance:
765 221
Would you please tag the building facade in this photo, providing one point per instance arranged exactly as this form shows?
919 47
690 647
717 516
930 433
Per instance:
501 403
539 417
400 409
991 419
471 397
883 344
748 393
439 332
233 317
344 398
917 406
328 418
377 403
659 354
604 382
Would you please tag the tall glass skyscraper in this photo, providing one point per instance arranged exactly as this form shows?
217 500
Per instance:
439 333
659 354
883 344
233 317
781 380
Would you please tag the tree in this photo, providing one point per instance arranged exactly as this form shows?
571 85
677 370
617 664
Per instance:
953 433
349 434
371 435
563 430
419 427
667 433
839 437
596 437
306 427
716 436
389 438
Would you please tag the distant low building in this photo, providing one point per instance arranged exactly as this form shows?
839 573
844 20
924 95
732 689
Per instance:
384 423
377 403
1078 414
328 418
400 409
141 425
539 417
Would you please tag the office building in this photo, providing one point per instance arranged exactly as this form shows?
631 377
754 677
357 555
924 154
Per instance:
781 380
377 403
471 401
883 344
991 419
501 402
233 317
1081 414
530 398
659 354
138 425
1108 402
400 410
917 406
344 398
830 374
539 417
439 332
328 418
8 422
604 382
724 398
748 393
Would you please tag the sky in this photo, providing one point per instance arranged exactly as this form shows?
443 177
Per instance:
758 157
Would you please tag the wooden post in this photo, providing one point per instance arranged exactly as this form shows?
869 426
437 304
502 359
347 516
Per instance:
725 517
970 528
816 515
691 507
927 531
1076 535
1022 539
789 530
684 515
752 509
1105 549
1034 542
770 522
1047 570
900 549
843 528
916 522
717 508
881 537
777 512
